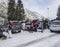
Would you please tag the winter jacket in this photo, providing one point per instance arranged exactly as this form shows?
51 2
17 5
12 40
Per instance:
36 25
23 25
32 25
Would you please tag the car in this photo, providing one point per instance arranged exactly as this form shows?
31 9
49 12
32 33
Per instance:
1 33
4 28
40 27
55 26
16 26
28 25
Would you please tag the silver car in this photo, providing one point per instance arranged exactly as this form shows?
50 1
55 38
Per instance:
55 26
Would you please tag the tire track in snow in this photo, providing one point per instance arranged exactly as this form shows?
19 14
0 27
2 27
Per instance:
35 41
57 44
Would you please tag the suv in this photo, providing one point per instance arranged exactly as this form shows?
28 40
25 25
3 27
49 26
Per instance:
16 26
55 26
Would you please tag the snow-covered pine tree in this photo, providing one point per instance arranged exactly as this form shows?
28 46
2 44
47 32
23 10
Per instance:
20 15
11 10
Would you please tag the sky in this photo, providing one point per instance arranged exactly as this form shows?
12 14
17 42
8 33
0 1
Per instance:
41 6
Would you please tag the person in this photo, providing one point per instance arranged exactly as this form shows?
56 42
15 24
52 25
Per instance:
36 26
10 29
2 35
32 26
23 25
42 26
48 24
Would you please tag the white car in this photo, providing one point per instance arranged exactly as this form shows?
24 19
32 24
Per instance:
55 26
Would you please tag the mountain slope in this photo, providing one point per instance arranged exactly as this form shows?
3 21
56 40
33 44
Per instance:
32 15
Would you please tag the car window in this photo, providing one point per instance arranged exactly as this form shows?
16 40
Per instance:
55 23
4 26
28 23
16 23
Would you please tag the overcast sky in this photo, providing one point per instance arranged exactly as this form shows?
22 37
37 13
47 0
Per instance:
41 6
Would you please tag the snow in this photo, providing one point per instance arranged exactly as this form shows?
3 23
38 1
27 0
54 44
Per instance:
57 44
23 38
50 42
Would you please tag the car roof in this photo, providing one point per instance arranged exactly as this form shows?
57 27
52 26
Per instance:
56 21
14 21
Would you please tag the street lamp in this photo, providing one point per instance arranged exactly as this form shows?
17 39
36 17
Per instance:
48 12
48 17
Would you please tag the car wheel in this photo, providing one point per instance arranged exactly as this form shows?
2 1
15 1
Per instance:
51 30
19 31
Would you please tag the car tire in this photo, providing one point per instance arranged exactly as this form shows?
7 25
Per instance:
19 31
51 30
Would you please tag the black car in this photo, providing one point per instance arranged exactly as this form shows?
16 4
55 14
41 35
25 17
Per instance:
1 32
4 28
16 26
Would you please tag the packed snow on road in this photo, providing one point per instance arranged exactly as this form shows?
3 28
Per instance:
35 39
48 42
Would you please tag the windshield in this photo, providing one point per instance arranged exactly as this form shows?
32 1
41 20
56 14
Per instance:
4 26
55 23
16 23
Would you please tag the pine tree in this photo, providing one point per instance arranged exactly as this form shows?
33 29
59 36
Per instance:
20 11
58 13
11 10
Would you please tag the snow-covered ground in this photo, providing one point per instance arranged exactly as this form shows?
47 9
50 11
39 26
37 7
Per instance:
49 42
24 37
57 44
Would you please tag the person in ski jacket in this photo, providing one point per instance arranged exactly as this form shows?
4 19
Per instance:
23 25
36 26
32 25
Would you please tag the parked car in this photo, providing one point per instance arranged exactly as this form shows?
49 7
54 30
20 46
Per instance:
16 26
40 27
4 28
1 33
28 24
55 26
